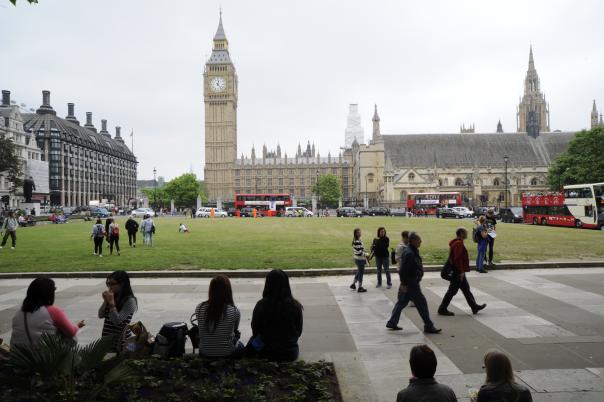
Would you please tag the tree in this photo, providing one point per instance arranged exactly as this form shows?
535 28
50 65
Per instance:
183 190
161 196
328 187
10 162
29 1
582 162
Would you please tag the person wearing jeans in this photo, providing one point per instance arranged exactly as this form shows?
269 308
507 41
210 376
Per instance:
458 257
379 248
483 242
360 259
411 274
98 235
10 229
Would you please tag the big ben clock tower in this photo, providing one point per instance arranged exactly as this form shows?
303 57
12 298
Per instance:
220 99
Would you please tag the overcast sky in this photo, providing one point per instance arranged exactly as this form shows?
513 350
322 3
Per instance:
429 65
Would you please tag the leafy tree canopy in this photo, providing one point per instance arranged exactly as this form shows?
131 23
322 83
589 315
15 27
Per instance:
582 162
329 189
183 190
10 163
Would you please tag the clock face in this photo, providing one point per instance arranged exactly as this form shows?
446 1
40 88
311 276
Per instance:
218 84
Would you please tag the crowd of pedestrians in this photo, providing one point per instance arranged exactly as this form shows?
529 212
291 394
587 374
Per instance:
110 232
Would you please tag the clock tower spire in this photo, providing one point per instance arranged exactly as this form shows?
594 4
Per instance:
220 100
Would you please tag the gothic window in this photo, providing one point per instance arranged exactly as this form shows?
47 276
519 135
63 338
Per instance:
459 182
411 176
496 182
534 181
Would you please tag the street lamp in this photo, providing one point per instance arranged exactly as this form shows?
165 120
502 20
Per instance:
154 190
505 179
468 182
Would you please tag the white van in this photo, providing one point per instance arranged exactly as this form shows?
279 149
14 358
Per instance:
297 212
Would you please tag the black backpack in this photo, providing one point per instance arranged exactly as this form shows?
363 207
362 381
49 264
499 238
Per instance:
170 341
393 256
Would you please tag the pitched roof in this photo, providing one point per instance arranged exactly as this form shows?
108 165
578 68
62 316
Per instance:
76 134
483 150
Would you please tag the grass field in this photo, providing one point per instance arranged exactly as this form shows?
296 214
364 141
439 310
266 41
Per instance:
233 243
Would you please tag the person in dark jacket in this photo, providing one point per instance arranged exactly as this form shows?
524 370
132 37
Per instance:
411 273
132 228
491 224
108 222
458 256
380 248
276 321
422 386
500 385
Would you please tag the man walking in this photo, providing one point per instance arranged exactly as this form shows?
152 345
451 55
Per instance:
131 228
411 273
458 257
10 229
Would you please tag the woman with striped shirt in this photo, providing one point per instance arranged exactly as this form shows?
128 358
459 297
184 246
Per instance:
360 259
119 304
218 321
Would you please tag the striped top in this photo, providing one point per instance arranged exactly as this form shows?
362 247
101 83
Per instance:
358 250
116 321
219 340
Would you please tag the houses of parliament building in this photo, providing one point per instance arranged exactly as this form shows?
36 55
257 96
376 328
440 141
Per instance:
388 167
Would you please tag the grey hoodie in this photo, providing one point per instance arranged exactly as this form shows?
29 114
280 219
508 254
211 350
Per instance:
11 224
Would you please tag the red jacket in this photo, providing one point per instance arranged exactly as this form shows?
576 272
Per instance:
459 256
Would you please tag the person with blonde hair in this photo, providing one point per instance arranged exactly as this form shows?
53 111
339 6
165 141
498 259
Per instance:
500 384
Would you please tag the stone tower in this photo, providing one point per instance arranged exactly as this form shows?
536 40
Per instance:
377 135
220 99
594 116
353 127
532 101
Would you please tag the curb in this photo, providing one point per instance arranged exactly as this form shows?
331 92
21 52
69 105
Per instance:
261 273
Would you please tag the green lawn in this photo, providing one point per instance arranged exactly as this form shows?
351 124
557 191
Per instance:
232 243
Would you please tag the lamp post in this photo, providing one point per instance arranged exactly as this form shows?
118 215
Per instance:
154 190
505 179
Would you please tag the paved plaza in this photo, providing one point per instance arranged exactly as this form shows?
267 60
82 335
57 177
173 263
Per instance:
550 322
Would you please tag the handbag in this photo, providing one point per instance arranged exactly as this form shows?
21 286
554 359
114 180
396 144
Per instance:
448 270
193 332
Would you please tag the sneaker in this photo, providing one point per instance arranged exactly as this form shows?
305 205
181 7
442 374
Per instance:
1 247
118 253
491 264
484 271
379 285
444 311
394 327
101 255
432 330
134 245
361 289
94 254
12 248
388 286
353 286
476 309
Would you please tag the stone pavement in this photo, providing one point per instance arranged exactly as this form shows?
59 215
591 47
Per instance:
550 323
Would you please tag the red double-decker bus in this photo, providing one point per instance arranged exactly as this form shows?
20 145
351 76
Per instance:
265 204
579 205
428 203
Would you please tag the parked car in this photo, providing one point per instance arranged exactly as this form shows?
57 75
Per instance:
249 212
298 211
483 211
99 212
512 215
464 212
231 211
362 210
398 212
378 211
348 212
206 212
141 212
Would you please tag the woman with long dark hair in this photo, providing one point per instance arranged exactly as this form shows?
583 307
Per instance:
276 320
380 248
38 315
218 321
500 384
119 304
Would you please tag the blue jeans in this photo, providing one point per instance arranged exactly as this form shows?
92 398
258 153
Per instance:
415 294
385 263
358 276
482 251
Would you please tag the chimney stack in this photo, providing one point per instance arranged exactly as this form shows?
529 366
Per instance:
89 124
118 132
104 129
70 114
5 98
45 108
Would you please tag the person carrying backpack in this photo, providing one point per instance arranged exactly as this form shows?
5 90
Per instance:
132 228
98 234
114 237
480 237
10 229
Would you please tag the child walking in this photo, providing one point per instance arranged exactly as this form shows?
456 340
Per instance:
360 259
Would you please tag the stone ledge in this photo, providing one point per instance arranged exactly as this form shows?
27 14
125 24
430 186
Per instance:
260 273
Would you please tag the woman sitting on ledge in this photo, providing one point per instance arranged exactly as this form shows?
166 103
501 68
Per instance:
276 321
218 321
